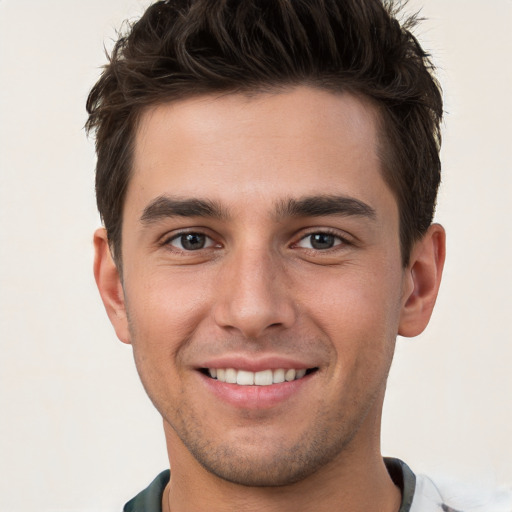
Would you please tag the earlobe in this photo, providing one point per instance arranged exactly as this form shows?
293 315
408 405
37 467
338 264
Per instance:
109 285
421 281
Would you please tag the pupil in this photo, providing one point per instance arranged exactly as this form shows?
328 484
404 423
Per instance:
192 241
322 241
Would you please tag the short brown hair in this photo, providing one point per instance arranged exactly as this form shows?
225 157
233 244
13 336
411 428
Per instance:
182 48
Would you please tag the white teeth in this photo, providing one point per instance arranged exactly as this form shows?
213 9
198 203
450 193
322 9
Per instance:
262 378
231 376
278 376
289 375
244 378
300 373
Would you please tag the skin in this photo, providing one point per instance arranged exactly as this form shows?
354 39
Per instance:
262 291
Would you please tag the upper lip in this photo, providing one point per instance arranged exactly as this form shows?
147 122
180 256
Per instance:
255 364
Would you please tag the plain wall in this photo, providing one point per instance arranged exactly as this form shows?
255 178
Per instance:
77 432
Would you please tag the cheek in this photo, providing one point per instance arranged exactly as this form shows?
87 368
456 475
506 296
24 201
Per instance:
164 309
357 309
164 313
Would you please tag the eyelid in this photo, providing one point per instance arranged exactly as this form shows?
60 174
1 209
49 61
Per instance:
170 237
344 239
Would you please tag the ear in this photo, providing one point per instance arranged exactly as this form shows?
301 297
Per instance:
422 278
110 286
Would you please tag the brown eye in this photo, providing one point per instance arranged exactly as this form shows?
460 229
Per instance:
320 241
191 241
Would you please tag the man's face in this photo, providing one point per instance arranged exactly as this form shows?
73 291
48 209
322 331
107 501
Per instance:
260 243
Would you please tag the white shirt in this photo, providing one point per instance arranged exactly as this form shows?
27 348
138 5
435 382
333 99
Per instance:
432 497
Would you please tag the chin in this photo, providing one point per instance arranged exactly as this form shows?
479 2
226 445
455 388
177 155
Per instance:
277 472
265 462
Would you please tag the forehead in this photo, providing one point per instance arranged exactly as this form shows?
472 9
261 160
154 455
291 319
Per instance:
260 148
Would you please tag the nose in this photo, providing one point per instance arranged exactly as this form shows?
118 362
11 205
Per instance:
254 295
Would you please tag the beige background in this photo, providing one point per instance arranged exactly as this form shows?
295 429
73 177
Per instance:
76 430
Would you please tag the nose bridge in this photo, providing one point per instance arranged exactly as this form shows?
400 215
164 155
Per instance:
253 295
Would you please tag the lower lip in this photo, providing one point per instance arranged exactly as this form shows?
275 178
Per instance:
255 397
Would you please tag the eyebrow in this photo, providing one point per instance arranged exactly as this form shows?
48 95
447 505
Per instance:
319 206
311 206
164 207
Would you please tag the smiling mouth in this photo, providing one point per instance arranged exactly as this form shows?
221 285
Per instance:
261 378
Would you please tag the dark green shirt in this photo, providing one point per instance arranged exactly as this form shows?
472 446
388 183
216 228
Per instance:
150 499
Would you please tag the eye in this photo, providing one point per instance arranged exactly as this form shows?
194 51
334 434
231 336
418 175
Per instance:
191 241
320 241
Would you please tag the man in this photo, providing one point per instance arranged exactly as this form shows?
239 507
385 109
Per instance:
267 175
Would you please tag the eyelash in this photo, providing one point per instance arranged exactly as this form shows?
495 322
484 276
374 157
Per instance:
341 241
167 241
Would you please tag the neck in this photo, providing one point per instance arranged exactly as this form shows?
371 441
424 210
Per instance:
356 480
355 493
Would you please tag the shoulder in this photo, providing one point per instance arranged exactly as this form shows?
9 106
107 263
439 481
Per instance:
437 495
150 499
